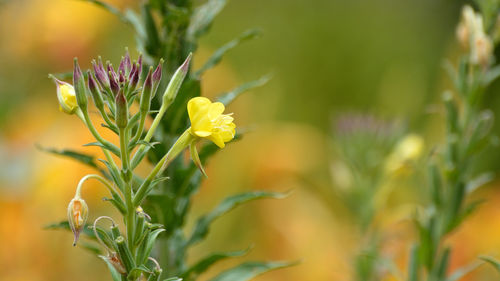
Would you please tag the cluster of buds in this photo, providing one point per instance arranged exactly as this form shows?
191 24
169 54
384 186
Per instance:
471 35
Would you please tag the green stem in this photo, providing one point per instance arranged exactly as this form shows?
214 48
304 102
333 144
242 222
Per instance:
124 150
110 188
140 129
136 159
182 142
84 115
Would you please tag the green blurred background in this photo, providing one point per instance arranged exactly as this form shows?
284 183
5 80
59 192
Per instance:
327 57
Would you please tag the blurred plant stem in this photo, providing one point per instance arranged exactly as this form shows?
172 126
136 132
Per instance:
468 132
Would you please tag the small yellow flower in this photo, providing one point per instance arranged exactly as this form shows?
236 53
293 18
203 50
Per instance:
66 96
406 151
207 121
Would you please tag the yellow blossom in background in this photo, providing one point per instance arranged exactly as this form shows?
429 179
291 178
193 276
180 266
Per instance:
207 121
66 96
407 150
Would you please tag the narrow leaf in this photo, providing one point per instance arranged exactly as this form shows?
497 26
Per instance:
229 97
203 16
203 223
219 53
249 270
462 271
206 262
86 159
495 263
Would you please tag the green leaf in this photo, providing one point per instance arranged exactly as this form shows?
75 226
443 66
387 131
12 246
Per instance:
202 18
219 53
249 270
203 223
413 264
173 279
65 225
462 271
113 10
148 246
229 97
206 262
86 159
495 263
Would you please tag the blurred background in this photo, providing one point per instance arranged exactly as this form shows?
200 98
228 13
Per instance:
327 58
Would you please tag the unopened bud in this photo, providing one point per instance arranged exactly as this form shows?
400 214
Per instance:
134 77
147 89
176 81
78 212
121 110
157 76
66 96
79 84
125 254
100 73
95 91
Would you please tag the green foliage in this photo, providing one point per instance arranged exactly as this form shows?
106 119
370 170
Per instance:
167 30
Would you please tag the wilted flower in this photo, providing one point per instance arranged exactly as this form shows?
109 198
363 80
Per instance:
207 121
78 212
66 96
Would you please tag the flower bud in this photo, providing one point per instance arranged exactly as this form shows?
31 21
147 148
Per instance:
176 82
95 91
147 89
139 65
125 254
121 110
134 77
78 213
100 73
79 84
466 27
113 79
66 96
157 76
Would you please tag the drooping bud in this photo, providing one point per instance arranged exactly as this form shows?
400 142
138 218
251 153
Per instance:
147 90
100 73
66 96
79 84
121 110
176 81
95 91
78 212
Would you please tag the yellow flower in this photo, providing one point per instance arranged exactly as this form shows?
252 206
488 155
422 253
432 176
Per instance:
207 121
66 96
407 150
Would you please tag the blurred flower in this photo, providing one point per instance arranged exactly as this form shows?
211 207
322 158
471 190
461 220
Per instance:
406 151
66 96
207 121
471 35
78 212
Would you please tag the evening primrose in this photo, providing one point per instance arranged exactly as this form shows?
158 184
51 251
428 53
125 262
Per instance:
207 121
66 96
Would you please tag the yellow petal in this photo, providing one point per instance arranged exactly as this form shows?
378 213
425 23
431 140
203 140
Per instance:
215 110
217 139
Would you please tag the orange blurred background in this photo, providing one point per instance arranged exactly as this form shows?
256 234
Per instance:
327 57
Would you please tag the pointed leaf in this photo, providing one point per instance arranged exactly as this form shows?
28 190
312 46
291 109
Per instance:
202 18
229 97
206 262
78 156
495 263
219 53
462 271
249 270
203 223
65 225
